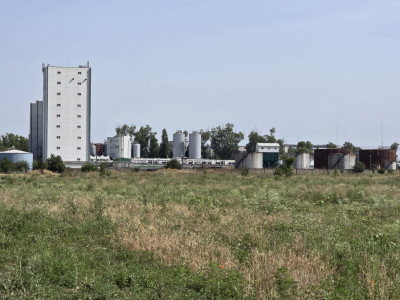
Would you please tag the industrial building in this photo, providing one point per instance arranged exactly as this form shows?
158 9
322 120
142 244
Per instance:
266 155
36 130
66 106
60 124
119 147
17 156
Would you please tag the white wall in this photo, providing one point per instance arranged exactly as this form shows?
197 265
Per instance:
67 112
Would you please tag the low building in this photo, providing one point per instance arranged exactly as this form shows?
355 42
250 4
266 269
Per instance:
266 155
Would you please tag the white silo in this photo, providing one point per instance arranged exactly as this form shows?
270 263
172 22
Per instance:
93 149
195 145
178 144
136 150
302 161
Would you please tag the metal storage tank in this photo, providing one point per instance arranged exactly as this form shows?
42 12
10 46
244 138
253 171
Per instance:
321 156
390 165
93 150
302 161
136 150
178 144
17 155
341 161
105 151
377 158
195 145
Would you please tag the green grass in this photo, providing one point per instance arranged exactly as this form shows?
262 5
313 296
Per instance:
194 235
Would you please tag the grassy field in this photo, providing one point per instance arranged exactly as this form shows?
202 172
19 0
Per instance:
195 235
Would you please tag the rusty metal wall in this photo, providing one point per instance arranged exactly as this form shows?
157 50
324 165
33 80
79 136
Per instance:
99 149
377 157
321 156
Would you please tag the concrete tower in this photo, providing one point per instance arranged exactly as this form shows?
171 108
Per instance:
66 112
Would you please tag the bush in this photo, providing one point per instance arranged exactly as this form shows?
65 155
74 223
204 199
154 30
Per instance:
359 167
35 165
6 165
287 167
173 164
245 171
381 171
88 167
55 164
21 166
102 169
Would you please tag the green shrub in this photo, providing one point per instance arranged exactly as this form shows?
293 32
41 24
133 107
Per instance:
35 165
21 166
102 169
381 171
245 171
6 165
173 164
88 167
359 167
55 164
287 167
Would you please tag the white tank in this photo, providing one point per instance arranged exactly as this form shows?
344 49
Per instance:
390 165
302 161
136 150
178 144
195 145
93 150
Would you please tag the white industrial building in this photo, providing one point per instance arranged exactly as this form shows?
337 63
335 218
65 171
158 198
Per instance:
36 129
61 124
119 146
266 155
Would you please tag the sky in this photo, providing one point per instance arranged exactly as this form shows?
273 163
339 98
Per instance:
323 71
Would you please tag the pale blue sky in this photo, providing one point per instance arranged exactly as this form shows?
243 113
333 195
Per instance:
297 65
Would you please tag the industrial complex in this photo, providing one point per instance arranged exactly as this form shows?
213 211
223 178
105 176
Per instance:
60 126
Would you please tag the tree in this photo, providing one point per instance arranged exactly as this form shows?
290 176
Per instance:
125 130
154 149
331 145
142 136
55 164
224 141
254 138
205 137
348 145
10 140
287 167
164 145
6 165
271 137
304 147
394 146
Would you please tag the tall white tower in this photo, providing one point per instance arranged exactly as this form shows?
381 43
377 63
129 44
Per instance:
66 112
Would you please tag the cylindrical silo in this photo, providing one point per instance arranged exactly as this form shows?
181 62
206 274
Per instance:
334 160
18 156
105 150
178 144
195 145
136 150
302 161
93 149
